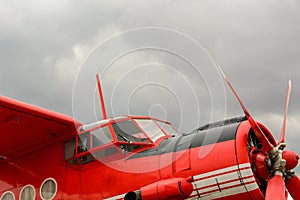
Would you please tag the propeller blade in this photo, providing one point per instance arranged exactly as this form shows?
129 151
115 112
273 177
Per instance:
276 188
293 186
257 130
282 135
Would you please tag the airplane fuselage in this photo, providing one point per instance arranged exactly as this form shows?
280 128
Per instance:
212 162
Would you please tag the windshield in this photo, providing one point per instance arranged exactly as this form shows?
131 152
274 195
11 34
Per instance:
116 136
129 131
101 136
133 129
142 130
151 129
167 128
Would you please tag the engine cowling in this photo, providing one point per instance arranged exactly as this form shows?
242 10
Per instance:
175 188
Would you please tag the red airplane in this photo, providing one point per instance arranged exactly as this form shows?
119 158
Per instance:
46 155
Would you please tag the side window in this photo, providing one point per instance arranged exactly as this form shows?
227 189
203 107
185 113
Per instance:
8 196
101 136
84 142
83 146
88 141
27 193
70 148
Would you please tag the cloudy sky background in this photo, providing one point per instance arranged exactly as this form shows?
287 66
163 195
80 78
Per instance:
51 50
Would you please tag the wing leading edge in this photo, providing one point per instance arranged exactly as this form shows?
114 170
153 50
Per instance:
25 128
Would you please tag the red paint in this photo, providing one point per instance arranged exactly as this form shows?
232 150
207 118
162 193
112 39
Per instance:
259 162
287 99
276 189
101 97
291 159
293 185
32 150
256 128
174 188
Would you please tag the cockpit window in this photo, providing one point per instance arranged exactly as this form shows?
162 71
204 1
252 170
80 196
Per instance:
113 138
70 148
101 136
150 128
128 131
168 129
84 142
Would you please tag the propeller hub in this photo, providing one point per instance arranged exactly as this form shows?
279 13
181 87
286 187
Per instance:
277 160
291 159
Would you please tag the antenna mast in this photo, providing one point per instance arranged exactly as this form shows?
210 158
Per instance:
101 97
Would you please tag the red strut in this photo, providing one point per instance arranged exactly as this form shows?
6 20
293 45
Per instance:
101 97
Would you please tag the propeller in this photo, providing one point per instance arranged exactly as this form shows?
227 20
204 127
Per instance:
274 163
276 189
282 135
257 130
293 184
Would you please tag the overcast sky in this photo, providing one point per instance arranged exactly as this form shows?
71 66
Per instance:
154 57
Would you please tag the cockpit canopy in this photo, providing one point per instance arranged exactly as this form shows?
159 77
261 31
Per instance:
121 134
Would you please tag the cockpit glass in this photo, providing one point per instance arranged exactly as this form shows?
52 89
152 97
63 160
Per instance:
101 136
114 137
128 131
168 129
84 142
70 147
150 128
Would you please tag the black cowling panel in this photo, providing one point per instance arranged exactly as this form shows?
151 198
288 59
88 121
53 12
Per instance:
212 133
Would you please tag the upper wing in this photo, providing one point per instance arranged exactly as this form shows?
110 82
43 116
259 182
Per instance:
25 128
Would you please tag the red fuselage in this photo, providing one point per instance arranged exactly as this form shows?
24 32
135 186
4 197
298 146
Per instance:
209 163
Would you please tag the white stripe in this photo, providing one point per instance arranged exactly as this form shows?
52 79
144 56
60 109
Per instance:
192 198
231 191
224 185
224 170
252 186
216 180
216 172
208 189
246 172
247 180
223 178
194 193
220 179
121 196
244 165
237 182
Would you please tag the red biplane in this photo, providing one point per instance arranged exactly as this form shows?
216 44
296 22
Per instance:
46 155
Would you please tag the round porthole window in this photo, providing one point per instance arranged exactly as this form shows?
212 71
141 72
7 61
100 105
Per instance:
48 189
27 193
8 196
